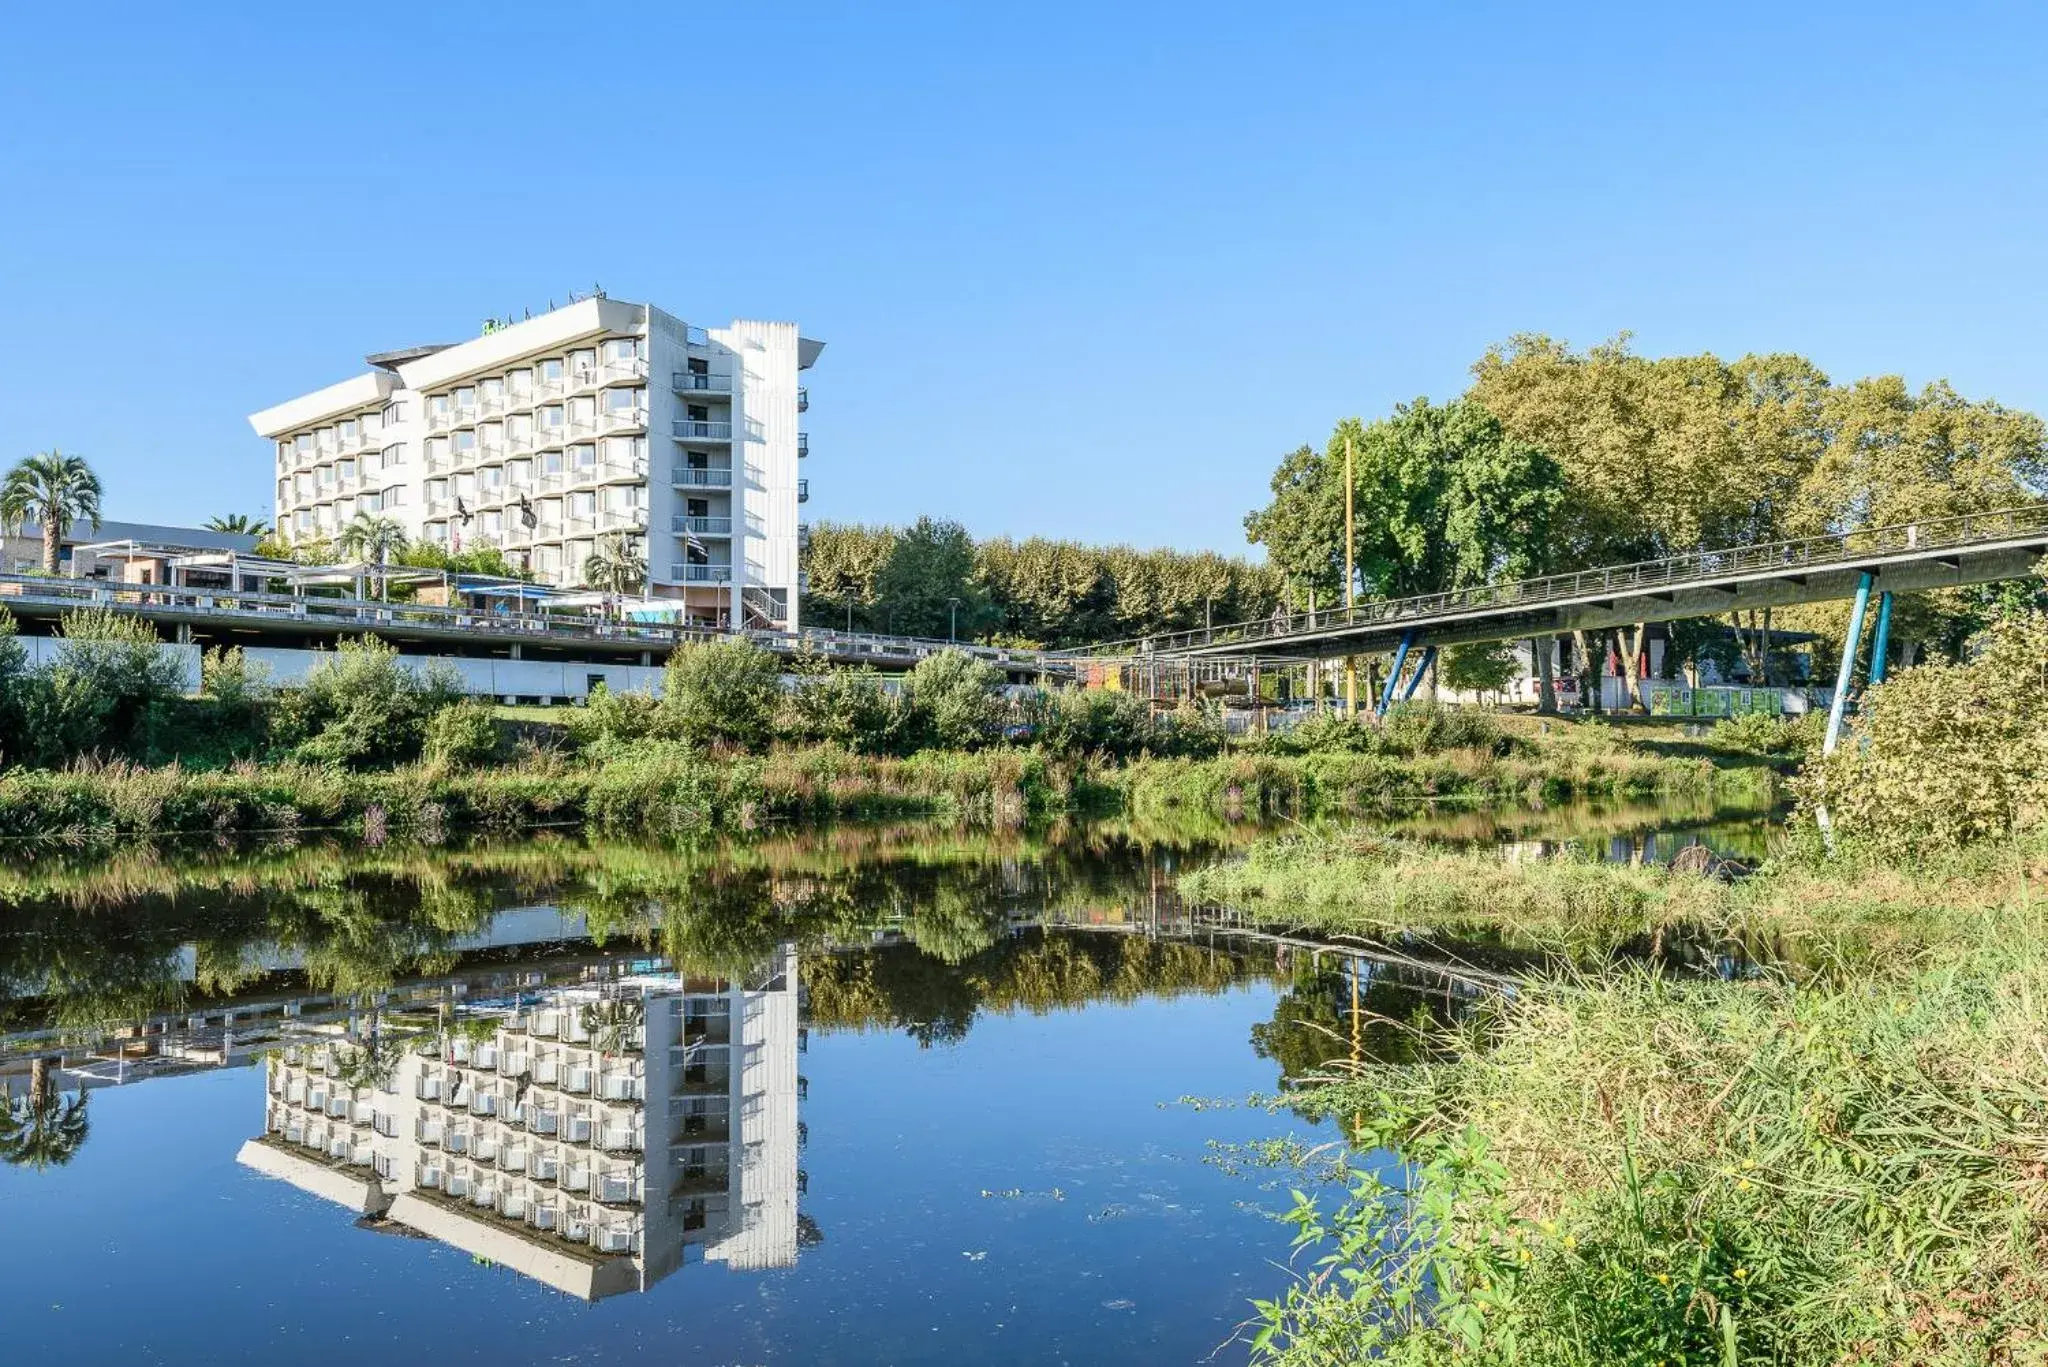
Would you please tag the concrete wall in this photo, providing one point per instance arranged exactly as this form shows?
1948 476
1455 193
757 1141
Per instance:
43 650
557 679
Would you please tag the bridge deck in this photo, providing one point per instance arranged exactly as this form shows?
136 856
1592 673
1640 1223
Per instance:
1974 549
226 617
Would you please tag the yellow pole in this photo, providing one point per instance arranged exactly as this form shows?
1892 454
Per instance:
1350 661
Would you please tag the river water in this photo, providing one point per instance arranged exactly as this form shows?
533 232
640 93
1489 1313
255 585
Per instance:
861 1096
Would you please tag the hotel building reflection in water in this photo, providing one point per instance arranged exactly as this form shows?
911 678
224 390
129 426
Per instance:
588 1136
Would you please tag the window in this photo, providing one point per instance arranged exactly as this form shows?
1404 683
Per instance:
348 471
491 436
394 455
435 532
519 471
465 486
347 429
394 497
582 411
621 350
465 396
493 476
519 383
302 443
550 369
492 389
552 462
372 502
284 452
303 481
327 476
494 522
437 449
583 362
394 413
284 487
624 450
305 519
437 491
582 504
583 457
372 424
464 442
623 400
551 417
438 406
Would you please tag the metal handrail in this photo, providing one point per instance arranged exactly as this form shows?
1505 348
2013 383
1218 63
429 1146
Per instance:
1809 553
691 383
698 429
369 615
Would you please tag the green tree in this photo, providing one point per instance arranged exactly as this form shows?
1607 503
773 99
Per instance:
848 707
373 538
42 1129
240 523
1443 498
722 692
927 586
53 490
843 561
616 566
1486 667
957 700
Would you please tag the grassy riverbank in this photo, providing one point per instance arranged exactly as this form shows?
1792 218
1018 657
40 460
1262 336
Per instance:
1842 1158
664 789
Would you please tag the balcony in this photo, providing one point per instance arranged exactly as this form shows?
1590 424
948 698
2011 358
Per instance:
686 383
803 399
702 477
703 526
803 491
695 429
684 573
803 445
622 420
519 443
550 387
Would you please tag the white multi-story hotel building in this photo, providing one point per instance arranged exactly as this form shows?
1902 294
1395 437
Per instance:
588 1138
541 436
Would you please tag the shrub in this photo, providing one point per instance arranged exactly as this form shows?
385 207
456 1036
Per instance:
723 691
608 718
1072 721
1947 755
15 680
464 734
1760 733
362 706
1327 733
107 691
848 707
1425 729
956 701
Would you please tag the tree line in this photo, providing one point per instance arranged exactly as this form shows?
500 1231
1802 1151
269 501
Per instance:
933 579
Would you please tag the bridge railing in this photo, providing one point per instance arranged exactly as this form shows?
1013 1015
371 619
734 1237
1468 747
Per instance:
349 615
1817 552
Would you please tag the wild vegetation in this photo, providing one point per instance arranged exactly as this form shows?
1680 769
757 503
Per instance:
1832 1153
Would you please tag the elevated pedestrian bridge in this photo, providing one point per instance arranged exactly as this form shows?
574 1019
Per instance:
224 617
1977 548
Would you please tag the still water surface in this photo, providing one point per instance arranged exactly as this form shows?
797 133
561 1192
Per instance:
874 1096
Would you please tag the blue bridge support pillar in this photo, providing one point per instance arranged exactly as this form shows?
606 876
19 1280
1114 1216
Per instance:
1394 674
1851 643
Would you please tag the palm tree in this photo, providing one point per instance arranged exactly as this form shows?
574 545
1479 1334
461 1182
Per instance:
54 490
42 1129
370 537
240 523
615 567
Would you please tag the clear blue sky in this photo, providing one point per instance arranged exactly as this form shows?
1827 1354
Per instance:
1083 270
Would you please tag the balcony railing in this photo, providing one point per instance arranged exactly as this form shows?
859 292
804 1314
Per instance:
621 419
704 526
803 444
803 399
803 491
685 382
696 429
700 477
685 573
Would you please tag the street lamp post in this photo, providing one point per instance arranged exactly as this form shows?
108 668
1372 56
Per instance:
953 620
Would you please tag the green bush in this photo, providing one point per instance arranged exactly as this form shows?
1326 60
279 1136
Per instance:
464 734
1073 721
848 707
722 692
608 718
108 692
1760 733
957 701
1425 729
1326 733
1946 755
362 707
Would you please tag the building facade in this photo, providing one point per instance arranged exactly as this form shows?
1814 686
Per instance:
589 1138
541 437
